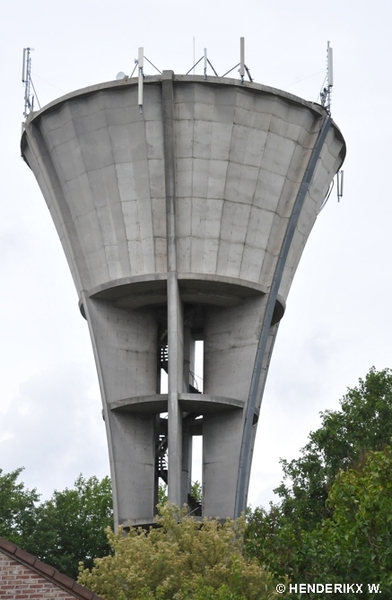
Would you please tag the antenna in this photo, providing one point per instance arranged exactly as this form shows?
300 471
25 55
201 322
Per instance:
330 65
242 66
339 181
206 62
325 94
242 70
140 63
26 79
242 59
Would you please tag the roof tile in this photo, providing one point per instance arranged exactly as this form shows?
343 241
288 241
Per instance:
50 573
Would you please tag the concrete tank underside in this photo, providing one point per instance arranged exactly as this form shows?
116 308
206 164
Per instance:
182 221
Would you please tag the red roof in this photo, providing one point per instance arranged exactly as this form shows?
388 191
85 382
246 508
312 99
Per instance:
49 573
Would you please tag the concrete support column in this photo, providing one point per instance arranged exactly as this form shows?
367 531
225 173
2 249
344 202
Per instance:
175 327
175 346
124 343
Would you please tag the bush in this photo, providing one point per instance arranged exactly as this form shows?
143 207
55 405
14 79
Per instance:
180 559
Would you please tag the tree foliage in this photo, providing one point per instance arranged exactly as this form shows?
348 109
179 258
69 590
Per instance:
363 423
356 541
62 531
162 494
71 525
180 559
333 517
17 508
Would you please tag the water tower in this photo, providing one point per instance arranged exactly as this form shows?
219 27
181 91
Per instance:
183 213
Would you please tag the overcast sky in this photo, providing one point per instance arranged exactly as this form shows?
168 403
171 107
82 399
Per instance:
338 321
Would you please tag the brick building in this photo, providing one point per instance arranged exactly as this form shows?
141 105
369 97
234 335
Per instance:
24 577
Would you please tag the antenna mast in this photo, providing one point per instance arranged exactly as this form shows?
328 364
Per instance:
26 79
242 59
140 63
339 180
325 94
243 66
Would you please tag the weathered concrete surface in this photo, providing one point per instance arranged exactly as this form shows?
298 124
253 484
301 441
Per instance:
173 221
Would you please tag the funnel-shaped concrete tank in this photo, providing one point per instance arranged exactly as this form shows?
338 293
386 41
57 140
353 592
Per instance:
182 222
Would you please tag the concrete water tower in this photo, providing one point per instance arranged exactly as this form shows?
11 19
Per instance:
182 220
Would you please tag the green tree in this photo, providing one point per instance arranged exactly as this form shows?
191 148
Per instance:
17 508
363 423
70 527
162 494
283 537
197 491
181 559
355 543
